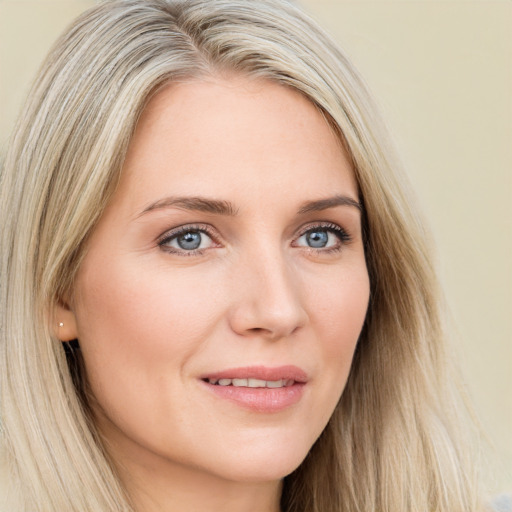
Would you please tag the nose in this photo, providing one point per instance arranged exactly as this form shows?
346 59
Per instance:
266 298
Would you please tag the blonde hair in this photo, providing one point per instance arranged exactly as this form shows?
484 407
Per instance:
394 442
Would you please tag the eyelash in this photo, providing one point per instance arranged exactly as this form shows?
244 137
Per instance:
189 228
340 233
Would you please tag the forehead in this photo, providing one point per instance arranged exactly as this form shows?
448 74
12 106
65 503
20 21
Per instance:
201 136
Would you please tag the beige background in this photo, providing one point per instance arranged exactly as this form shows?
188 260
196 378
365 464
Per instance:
442 73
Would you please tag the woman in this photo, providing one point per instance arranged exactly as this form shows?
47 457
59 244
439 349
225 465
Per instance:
215 291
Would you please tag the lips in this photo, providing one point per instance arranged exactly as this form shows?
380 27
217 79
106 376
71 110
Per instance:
252 383
258 388
288 372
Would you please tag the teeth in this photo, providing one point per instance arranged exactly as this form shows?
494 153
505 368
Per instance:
274 383
253 383
256 383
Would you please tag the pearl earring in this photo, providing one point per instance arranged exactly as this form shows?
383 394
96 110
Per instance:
61 324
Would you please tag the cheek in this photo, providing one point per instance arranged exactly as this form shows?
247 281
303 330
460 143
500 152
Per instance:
338 327
132 321
340 307
139 333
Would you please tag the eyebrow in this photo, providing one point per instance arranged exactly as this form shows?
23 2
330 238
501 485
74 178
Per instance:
221 207
329 202
200 204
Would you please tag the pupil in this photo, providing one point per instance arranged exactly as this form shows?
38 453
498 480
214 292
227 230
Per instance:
317 239
189 241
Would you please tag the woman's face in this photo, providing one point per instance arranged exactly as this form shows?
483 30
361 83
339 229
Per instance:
224 289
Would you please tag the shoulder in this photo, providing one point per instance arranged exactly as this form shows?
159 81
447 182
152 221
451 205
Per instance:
7 490
3 483
502 503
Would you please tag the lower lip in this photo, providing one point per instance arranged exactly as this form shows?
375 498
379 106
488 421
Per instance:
264 400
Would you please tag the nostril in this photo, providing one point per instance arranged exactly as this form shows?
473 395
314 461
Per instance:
269 307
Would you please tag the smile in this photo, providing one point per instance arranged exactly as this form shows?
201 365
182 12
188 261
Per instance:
258 388
253 383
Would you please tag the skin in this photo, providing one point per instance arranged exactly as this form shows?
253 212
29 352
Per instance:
152 319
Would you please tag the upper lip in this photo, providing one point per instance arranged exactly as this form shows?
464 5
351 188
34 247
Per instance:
286 372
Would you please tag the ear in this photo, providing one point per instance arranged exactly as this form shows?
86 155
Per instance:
64 323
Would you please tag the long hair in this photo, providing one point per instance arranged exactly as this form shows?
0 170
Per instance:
394 442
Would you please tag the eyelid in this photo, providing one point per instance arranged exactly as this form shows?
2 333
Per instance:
325 225
341 233
185 228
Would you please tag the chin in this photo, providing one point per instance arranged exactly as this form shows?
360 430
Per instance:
263 464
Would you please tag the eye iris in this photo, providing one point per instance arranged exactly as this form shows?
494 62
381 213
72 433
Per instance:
317 239
189 241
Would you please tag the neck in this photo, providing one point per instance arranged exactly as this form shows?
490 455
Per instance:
157 484
203 494
183 489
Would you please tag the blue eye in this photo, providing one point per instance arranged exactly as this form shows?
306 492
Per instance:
186 240
323 237
317 238
189 241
